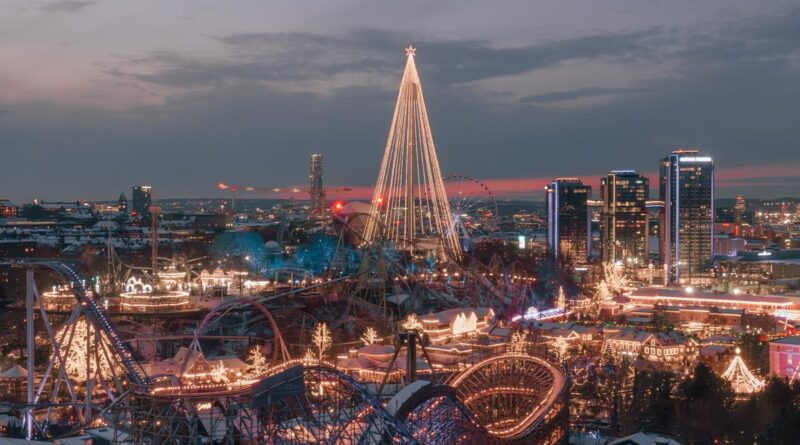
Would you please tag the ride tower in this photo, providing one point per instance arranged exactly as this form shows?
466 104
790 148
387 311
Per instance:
409 204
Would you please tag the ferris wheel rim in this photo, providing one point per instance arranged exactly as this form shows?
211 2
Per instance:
463 203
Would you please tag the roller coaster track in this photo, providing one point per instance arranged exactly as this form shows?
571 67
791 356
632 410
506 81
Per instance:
515 396
505 399
97 316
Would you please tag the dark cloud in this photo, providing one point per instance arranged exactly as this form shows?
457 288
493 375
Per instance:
580 93
305 56
732 90
68 6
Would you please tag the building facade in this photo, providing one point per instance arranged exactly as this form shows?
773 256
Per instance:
142 198
624 218
316 188
122 203
687 189
568 219
738 210
784 358
661 347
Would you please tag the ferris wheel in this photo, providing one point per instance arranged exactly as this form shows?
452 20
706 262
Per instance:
474 207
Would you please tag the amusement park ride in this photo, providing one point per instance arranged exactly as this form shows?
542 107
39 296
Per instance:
295 401
98 374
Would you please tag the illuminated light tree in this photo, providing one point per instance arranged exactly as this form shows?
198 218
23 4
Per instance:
257 361
409 202
219 373
84 356
412 323
517 343
321 341
604 292
561 347
601 294
742 380
561 299
615 279
370 337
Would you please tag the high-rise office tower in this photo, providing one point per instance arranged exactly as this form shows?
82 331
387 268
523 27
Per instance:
142 195
315 189
738 209
624 218
568 225
687 189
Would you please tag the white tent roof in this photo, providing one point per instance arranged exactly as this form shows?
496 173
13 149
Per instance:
15 372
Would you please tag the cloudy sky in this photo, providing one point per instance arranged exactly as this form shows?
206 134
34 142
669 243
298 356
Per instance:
96 96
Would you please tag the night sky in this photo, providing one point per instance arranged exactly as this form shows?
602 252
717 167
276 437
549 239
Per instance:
96 96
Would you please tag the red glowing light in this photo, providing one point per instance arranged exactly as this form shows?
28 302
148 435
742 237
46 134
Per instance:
337 206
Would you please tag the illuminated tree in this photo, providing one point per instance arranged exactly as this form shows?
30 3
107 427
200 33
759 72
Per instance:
561 299
412 323
517 343
601 294
321 341
219 373
409 201
258 362
370 337
615 279
82 352
561 347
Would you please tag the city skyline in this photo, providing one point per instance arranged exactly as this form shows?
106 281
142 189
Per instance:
234 96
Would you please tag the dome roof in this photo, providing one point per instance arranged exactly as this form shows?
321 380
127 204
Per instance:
273 248
353 207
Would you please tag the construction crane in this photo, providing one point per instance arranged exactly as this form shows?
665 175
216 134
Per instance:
72 203
250 188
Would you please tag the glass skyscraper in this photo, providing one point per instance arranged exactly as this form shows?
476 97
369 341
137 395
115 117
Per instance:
568 226
687 189
624 219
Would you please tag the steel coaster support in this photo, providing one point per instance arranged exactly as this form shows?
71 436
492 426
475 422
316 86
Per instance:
30 344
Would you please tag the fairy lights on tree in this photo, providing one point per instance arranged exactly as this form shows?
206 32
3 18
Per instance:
83 356
742 380
517 343
370 337
412 323
257 361
561 299
615 279
321 341
614 283
219 373
561 347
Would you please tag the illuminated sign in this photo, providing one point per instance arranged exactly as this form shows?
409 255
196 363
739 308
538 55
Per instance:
137 286
521 241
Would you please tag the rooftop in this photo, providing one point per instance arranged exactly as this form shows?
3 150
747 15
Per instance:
789 340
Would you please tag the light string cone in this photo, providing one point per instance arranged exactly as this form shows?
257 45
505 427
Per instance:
409 204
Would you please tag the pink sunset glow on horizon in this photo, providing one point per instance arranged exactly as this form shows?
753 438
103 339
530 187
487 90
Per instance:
533 187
